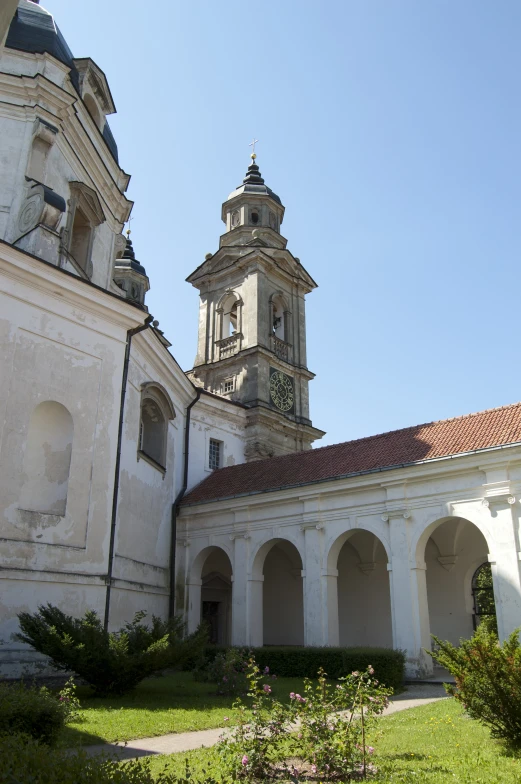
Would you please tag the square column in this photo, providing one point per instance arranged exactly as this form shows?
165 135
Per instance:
505 563
240 589
255 611
409 608
320 592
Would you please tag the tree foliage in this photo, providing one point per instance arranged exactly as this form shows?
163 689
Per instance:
488 680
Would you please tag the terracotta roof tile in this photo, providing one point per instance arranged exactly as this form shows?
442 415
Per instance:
492 428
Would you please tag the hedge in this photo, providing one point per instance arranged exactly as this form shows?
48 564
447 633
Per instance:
297 662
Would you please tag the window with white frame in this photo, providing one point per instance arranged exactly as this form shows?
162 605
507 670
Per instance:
228 385
214 454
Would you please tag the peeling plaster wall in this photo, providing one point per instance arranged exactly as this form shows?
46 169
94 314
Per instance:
59 348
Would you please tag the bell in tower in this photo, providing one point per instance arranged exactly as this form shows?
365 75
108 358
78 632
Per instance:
252 327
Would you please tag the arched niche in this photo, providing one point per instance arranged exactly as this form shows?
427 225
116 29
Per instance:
47 459
452 548
156 411
364 599
229 315
280 564
279 317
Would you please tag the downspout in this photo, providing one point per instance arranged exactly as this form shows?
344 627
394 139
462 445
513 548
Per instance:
175 505
115 494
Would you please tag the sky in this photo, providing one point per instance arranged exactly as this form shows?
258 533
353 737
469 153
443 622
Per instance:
391 131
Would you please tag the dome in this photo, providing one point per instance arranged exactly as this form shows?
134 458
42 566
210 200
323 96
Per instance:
254 183
34 30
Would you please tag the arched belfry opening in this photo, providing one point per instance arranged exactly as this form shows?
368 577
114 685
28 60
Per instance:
279 565
455 552
364 600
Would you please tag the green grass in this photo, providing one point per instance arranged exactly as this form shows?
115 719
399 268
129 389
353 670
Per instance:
433 744
172 703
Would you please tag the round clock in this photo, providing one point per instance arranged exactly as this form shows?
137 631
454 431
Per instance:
281 391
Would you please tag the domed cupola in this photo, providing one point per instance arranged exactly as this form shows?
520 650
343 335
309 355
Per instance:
253 207
130 275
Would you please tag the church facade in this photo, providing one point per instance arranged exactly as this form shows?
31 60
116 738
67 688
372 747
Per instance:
127 484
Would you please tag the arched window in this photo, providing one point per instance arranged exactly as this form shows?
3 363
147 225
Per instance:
47 459
156 411
483 596
279 319
93 110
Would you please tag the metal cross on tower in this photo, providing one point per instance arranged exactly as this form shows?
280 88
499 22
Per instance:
252 144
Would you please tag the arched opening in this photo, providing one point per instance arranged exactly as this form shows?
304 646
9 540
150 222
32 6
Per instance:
216 596
455 550
483 597
279 326
230 316
47 459
364 598
283 596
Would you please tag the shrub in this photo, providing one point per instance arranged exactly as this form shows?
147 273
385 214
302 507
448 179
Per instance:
295 662
228 670
26 760
488 680
312 734
111 662
36 712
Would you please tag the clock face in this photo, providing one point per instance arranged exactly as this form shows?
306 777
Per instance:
281 390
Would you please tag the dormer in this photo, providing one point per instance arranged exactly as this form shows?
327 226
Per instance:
94 90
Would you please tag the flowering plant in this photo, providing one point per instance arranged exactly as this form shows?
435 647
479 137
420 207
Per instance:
322 731
69 702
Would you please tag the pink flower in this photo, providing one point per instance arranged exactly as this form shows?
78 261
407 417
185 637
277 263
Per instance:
370 670
226 718
244 760
299 698
370 749
266 670
292 695
355 673
267 688
313 769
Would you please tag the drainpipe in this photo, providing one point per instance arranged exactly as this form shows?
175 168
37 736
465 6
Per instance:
126 362
175 505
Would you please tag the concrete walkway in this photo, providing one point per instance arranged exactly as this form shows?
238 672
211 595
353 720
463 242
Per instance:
186 741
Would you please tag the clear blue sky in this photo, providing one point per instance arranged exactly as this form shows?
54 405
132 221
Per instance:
391 130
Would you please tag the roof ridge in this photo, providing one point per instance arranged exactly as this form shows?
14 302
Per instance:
374 436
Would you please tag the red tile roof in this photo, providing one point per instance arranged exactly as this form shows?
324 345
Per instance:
486 429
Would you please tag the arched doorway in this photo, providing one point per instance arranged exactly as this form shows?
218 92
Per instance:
483 597
364 600
210 594
282 593
455 552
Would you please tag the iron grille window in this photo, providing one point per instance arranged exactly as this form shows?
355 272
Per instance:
214 460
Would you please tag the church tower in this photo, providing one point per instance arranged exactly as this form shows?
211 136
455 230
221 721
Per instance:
252 327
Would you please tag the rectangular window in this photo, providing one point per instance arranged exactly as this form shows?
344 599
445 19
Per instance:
214 460
228 385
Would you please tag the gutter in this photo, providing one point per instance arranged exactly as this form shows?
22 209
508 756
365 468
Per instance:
115 494
175 505
368 471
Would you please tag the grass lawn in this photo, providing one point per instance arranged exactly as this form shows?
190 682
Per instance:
435 744
172 703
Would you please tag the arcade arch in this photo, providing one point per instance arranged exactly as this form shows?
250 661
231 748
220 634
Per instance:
280 564
453 549
364 600
210 594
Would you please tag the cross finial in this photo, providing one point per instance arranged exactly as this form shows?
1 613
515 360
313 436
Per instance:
252 144
128 232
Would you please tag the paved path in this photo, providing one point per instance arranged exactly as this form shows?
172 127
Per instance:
186 741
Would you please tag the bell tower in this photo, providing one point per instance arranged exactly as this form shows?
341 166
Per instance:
252 327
